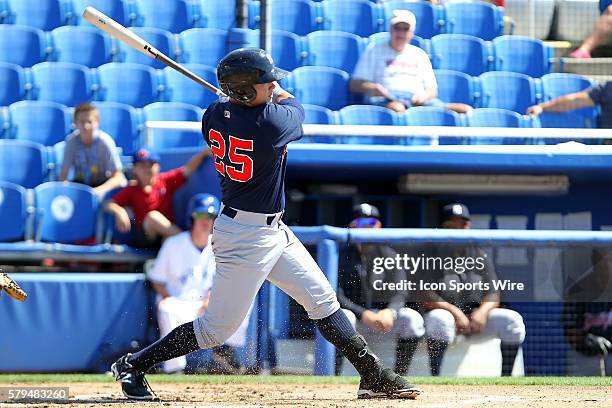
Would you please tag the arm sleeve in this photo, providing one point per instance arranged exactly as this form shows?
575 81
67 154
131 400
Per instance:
364 70
205 124
285 119
429 78
598 92
346 303
162 267
114 163
174 179
69 154
123 197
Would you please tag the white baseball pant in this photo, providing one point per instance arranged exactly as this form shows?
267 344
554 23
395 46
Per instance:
172 312
409 323
505 324
247 252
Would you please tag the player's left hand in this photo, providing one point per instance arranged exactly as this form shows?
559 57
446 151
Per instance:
418 99
11 287
478 320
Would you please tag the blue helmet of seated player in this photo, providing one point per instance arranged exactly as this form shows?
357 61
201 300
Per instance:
202 208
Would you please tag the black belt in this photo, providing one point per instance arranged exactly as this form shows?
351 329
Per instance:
231 213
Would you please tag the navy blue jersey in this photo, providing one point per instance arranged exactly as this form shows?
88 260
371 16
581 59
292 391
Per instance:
248 146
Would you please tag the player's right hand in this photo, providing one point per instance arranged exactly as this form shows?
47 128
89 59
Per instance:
534 110
372 320
122 222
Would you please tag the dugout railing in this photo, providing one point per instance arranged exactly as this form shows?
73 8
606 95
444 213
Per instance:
574 245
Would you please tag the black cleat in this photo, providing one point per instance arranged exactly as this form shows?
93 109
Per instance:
386 385
133 383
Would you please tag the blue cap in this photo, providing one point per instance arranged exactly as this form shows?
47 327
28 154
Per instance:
145 154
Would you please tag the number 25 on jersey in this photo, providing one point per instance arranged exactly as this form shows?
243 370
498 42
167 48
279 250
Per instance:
240 167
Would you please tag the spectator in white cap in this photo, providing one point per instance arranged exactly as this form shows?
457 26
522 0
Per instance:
396 74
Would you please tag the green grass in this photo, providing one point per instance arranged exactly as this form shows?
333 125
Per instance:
217 379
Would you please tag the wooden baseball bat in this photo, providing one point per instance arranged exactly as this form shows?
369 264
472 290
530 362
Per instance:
114 29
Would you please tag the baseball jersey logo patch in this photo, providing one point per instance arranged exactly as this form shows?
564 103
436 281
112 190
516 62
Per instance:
226 114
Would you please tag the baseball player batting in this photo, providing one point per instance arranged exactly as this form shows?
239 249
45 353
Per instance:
248 133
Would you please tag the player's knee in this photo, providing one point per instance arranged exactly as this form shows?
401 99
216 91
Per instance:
410 323
440 325
323 308
351 317
512 327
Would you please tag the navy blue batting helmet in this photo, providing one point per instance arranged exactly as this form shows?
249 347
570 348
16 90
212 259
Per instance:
202 203
239 70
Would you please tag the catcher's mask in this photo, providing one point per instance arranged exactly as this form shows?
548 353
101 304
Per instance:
239 70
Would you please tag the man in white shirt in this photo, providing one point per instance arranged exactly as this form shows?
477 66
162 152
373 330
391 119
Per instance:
182 277
399 75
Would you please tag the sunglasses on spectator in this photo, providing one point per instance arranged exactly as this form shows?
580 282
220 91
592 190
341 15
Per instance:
401 27
203 215
364 222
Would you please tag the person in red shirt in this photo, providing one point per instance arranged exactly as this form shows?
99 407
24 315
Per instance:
149 196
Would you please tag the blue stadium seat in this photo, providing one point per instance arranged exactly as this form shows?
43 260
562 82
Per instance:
288 50
66 212
160 39
23 162
383 37
427 15
218 14
171 15
507 90
122 123
525 55
62 82
203 45
479 19
558 84
14 212
454 86
133 84
115 9
493 117
82 45
43 122
566 120
296 16
319 115
359 17
459 52
21 45
335 49
43 14
169 138
12 83
323 86
182 89
368 115
431 116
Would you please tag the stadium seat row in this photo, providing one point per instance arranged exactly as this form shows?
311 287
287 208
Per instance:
89 46
126 86
55 212
328 87
361 17
48 123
